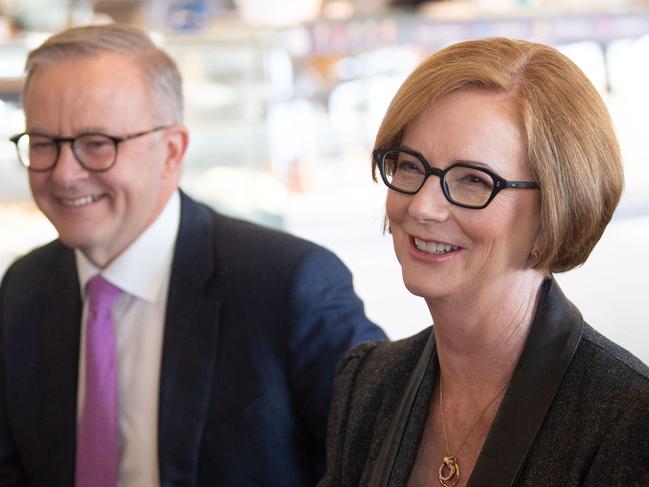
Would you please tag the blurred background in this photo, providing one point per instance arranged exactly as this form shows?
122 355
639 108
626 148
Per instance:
284 98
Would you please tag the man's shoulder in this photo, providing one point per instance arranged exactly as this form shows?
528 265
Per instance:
254 233
27 279
42 259
235 236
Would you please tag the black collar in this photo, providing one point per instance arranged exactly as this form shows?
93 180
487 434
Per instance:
554 335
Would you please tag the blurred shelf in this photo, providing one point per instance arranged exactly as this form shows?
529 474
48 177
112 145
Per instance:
428 31
10 88
272 98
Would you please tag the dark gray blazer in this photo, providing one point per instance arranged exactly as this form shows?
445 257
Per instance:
576 411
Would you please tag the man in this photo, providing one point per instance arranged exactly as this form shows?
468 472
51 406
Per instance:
213 360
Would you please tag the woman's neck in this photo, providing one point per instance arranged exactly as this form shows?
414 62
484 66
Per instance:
480 338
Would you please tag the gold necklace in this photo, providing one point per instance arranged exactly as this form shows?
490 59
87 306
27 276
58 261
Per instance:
449 472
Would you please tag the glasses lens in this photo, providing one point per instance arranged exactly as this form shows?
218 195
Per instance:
36 152
469 185
403 171
95 151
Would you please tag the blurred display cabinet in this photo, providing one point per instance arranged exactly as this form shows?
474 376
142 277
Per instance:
298 103
13 181
268 107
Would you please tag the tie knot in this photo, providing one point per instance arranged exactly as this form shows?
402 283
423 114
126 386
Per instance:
101 293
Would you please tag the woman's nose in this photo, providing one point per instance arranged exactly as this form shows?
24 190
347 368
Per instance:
429 203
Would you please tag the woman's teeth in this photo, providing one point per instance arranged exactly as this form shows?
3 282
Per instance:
434 247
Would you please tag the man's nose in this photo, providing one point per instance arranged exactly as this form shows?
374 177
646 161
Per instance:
67 170
429 203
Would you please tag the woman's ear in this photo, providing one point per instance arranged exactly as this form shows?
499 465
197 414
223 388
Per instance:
536 249
386 225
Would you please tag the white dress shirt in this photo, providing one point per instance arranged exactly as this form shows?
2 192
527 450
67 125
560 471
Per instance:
142 272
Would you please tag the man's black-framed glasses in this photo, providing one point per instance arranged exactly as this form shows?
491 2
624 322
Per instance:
463 183
95 152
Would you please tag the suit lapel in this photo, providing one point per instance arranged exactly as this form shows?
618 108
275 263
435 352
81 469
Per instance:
61 332
189 348
550 347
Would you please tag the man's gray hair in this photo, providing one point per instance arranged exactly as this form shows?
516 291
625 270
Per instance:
156 65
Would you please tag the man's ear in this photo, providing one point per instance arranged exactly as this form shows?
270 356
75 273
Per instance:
176 140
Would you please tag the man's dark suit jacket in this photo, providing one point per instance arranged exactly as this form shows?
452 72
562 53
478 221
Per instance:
576 412
256 324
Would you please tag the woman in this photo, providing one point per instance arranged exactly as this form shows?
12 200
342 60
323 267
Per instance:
503 169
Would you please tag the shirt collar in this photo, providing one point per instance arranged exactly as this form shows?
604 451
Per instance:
141 268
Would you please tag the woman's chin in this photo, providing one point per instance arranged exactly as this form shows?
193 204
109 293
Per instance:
428 291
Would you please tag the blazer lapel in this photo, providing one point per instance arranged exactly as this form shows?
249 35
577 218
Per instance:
408 418
189 348
61 334
550 347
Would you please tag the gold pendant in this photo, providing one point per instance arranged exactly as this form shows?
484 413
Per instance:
449 472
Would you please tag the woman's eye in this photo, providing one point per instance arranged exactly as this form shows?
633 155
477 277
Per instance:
468 179
475 180
409 166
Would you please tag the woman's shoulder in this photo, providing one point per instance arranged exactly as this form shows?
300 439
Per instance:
606 387
605 397
373 375
381 359
613 362
369 385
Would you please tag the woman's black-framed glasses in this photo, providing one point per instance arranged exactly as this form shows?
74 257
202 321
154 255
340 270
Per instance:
463 184
95 152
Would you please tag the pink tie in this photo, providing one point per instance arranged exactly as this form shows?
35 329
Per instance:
97 454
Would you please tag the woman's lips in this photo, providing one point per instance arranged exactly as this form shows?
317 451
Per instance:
430 250
433 247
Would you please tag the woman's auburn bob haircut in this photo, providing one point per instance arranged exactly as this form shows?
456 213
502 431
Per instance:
571 148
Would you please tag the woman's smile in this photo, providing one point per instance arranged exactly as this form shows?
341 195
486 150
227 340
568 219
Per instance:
432 251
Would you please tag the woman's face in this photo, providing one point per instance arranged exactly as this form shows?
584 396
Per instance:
489 246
